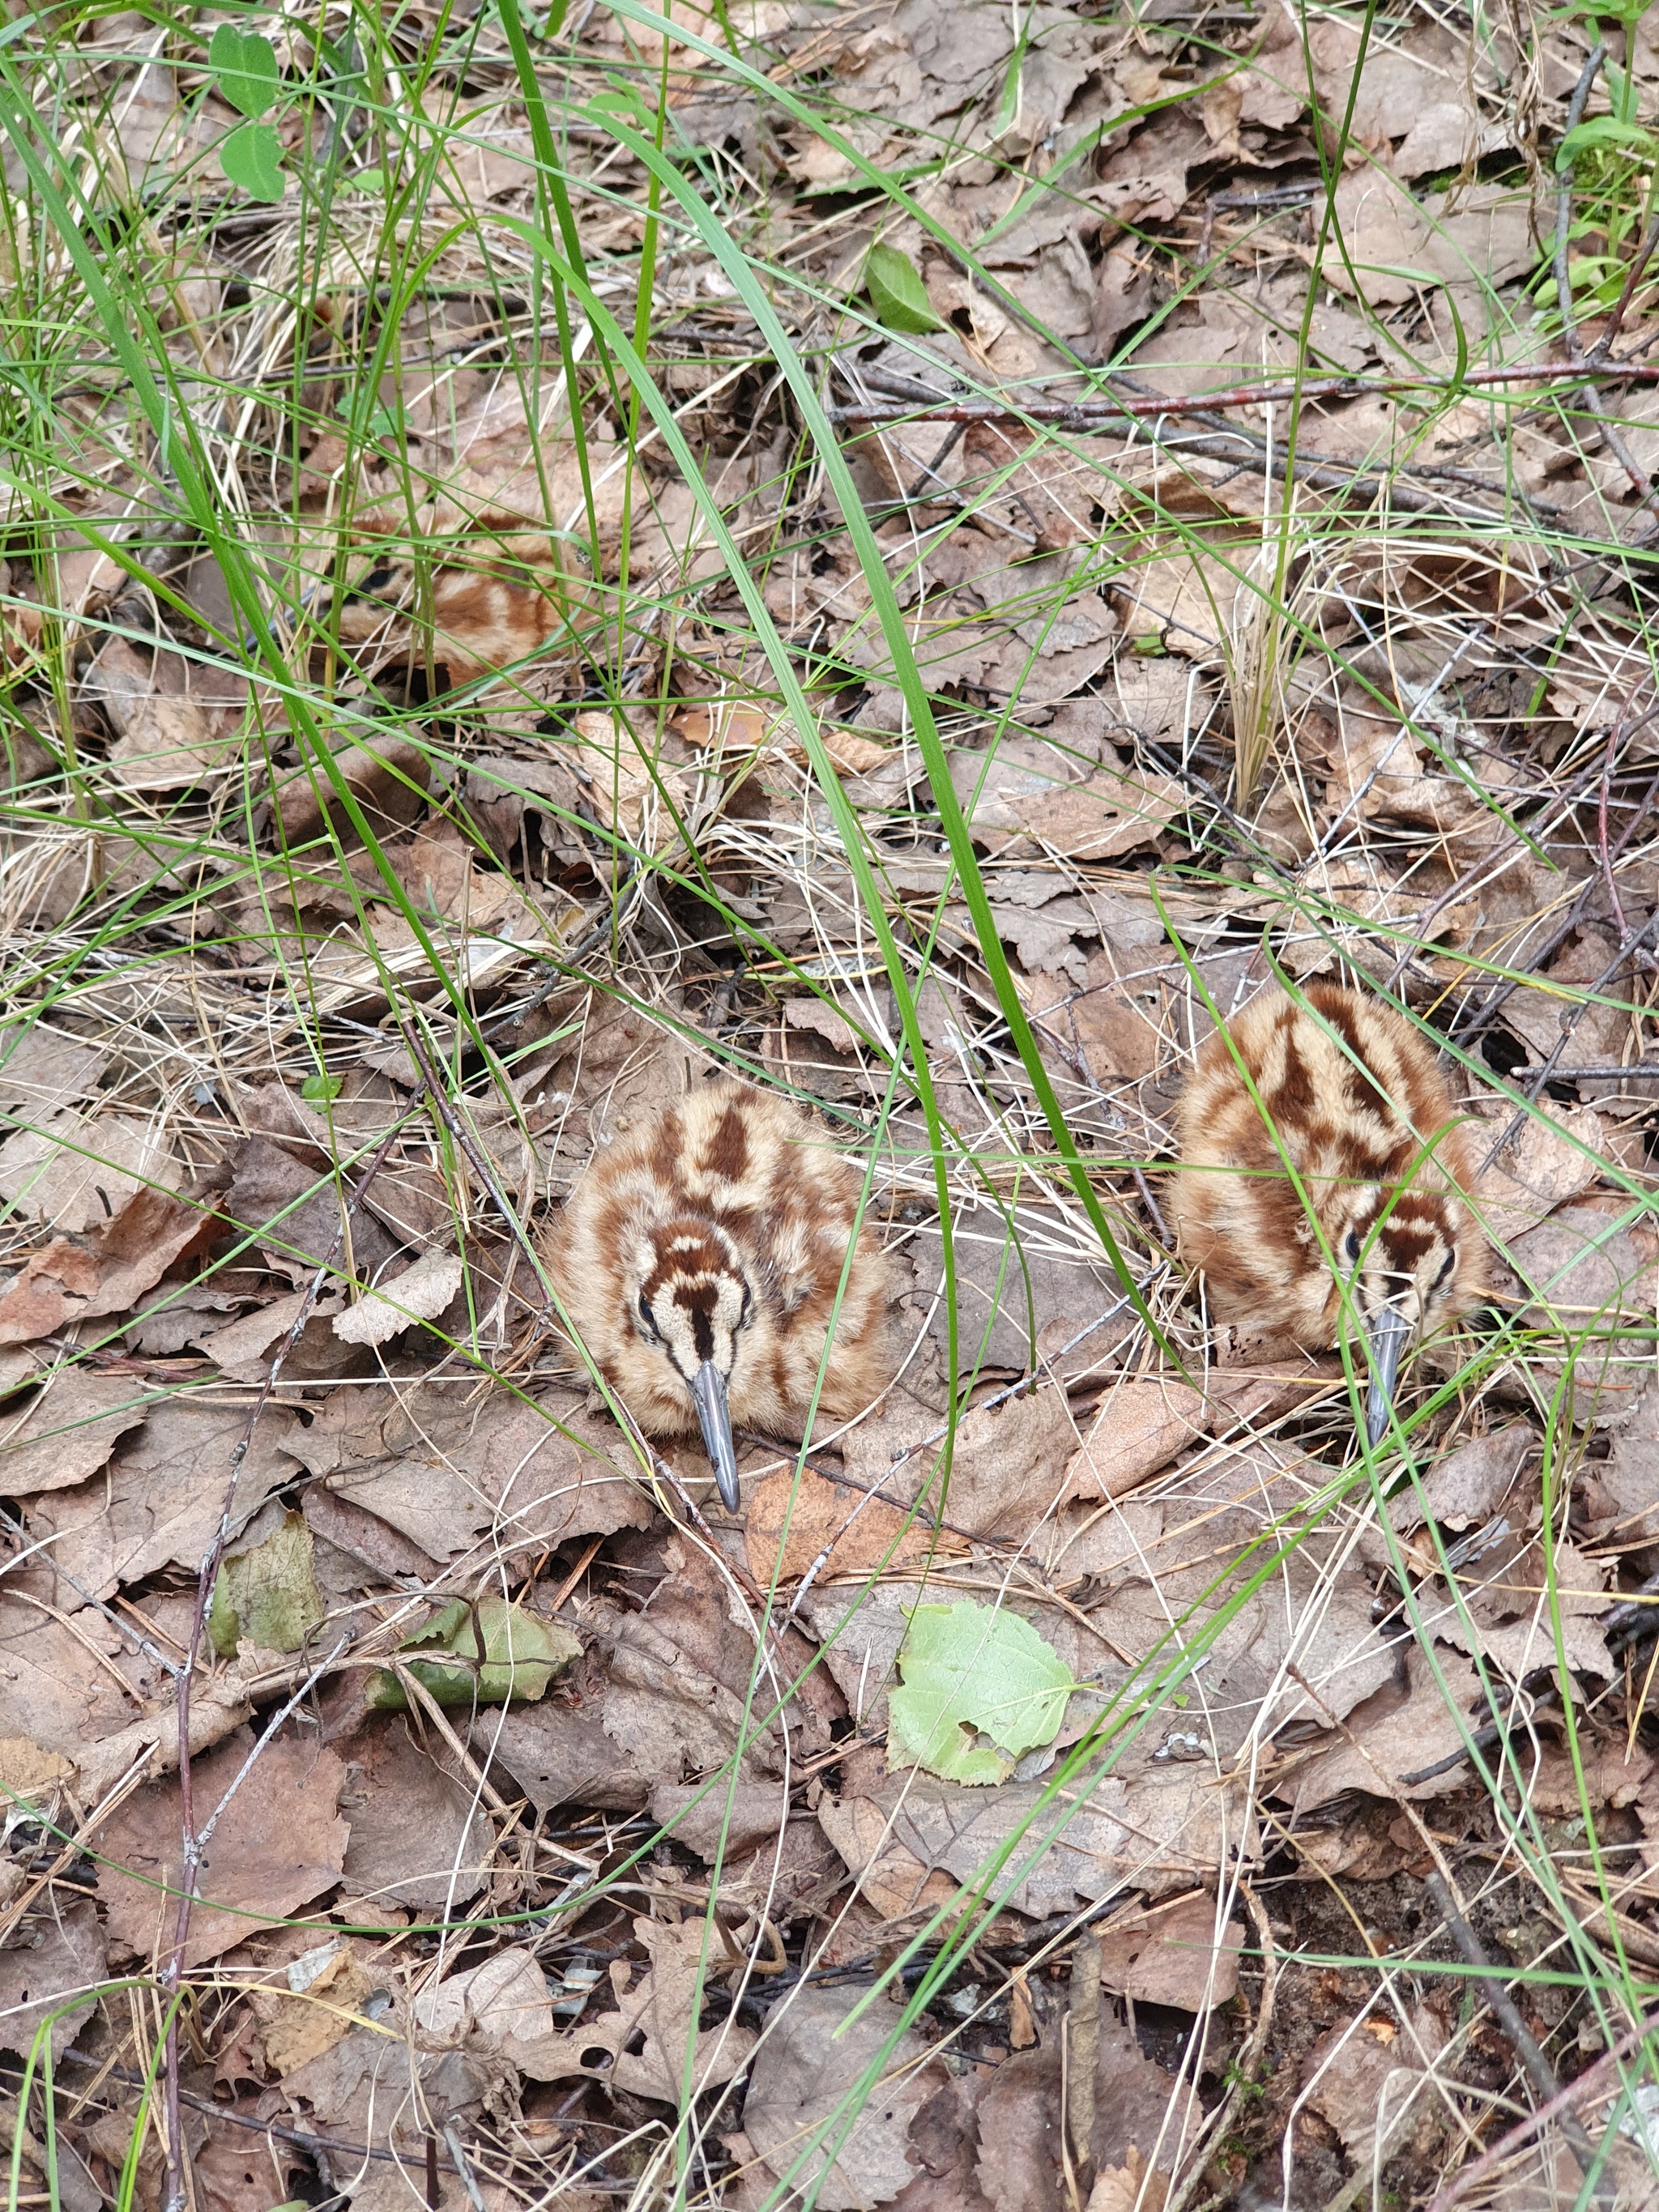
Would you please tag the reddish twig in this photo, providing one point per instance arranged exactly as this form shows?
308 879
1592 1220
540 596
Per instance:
1588 2083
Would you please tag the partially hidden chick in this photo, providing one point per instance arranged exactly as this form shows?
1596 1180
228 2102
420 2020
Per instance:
1355 1098
698 1259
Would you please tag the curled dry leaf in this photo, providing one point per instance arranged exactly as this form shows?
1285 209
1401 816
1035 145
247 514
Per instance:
78 1278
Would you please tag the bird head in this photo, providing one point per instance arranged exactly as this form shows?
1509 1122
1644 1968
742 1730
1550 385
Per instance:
690 1303
1411 1261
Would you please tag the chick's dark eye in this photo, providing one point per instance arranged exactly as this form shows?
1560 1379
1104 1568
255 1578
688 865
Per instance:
1350 1244
1446 1267
746 1311
647 1316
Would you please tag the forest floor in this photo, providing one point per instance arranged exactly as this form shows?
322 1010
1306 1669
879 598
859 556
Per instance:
919 554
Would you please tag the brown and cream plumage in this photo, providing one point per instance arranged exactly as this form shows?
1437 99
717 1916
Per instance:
699 1259
1352 1098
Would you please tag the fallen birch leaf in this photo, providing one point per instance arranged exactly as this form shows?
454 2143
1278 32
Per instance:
971 1673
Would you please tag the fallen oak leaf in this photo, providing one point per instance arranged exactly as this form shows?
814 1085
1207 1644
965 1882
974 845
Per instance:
641 2047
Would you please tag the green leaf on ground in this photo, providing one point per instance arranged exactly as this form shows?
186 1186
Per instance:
245 62
268 1594
521 1654
972 1673
252 159
896 291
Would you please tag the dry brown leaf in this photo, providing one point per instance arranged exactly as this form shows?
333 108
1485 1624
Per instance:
813 2054
41 1071
1396 1732
1170 1954
329 1986
27 1771
720 1820
243 1351
420 1293
68 1432
76 1171
1557 1152
1134 2186
643 2047
177 721
502 2005
419 1839
1009 1467
387 779
1161 1832
159 1502
890 1875
1139 1428
448 1470
296 1212
786 1530
553 1753
279 1842
78 1279
1142 2118
1592 1281
52 1968
1366 2076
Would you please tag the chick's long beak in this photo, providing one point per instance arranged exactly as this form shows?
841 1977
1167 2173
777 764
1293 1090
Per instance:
1388 1334
715 1419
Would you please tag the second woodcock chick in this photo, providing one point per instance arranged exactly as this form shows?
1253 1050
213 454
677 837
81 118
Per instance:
699 1259
1352 1098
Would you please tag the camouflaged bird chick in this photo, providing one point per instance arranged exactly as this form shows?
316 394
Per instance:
1351 1096
699 1260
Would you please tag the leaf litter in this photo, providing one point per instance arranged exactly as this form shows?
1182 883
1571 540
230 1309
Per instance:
1253 417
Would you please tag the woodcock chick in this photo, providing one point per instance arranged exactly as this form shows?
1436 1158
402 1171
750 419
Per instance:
698 1259
1353 1096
